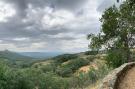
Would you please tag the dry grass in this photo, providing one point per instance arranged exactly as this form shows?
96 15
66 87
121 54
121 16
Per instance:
42 63
94 86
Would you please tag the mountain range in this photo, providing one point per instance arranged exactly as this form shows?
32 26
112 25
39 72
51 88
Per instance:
40 55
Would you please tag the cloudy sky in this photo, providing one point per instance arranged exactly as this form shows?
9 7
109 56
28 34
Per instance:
49 25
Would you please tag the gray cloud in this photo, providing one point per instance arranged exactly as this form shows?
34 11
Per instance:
22 5
50 25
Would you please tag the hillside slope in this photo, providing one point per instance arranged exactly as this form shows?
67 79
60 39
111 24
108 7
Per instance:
85 67
15 59
40 55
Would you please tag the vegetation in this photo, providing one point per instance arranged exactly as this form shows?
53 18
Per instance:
15 60
69 68
65 57
61 72
76 71
116 58
91 52
117 33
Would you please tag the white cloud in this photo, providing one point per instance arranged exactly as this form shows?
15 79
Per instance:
80 44
64 35
56 18
6 11
49 27
38 45
30 48
21 39
0 41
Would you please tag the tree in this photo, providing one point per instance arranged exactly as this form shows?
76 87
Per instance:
118 29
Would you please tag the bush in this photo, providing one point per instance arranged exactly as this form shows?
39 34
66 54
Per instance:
91 58
48 68
97 74
3 76
65 57
76 64
64 72
51 81
68 69
77 82
116 58
10 79
30 78
91 52
93 75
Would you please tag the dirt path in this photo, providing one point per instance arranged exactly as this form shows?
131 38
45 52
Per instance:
128 82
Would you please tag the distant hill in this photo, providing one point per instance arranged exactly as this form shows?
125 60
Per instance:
13 55
88 67
66 65
41 55
15 58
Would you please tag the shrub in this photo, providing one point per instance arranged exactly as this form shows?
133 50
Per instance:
51 81
64 72
91 58
78 63
93 76
116 58
65 57
68 69
3 76
91 52
48 68
97 74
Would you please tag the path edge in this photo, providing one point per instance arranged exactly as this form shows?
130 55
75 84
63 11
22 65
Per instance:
111 81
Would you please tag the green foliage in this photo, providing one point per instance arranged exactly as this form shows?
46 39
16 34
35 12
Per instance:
78 82
49 76
51 81
64 72
116 58
97 74
75 64
30 78
16 60
91 52
3 74
69 68
85 79
64 58
117 31
48 68
93 75
91 58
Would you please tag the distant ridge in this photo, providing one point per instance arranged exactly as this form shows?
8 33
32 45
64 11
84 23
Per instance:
13 55
41 55
15 59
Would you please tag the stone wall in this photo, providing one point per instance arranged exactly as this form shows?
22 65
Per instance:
112 80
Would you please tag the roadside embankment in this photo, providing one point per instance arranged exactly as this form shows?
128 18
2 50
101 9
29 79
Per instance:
116 78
